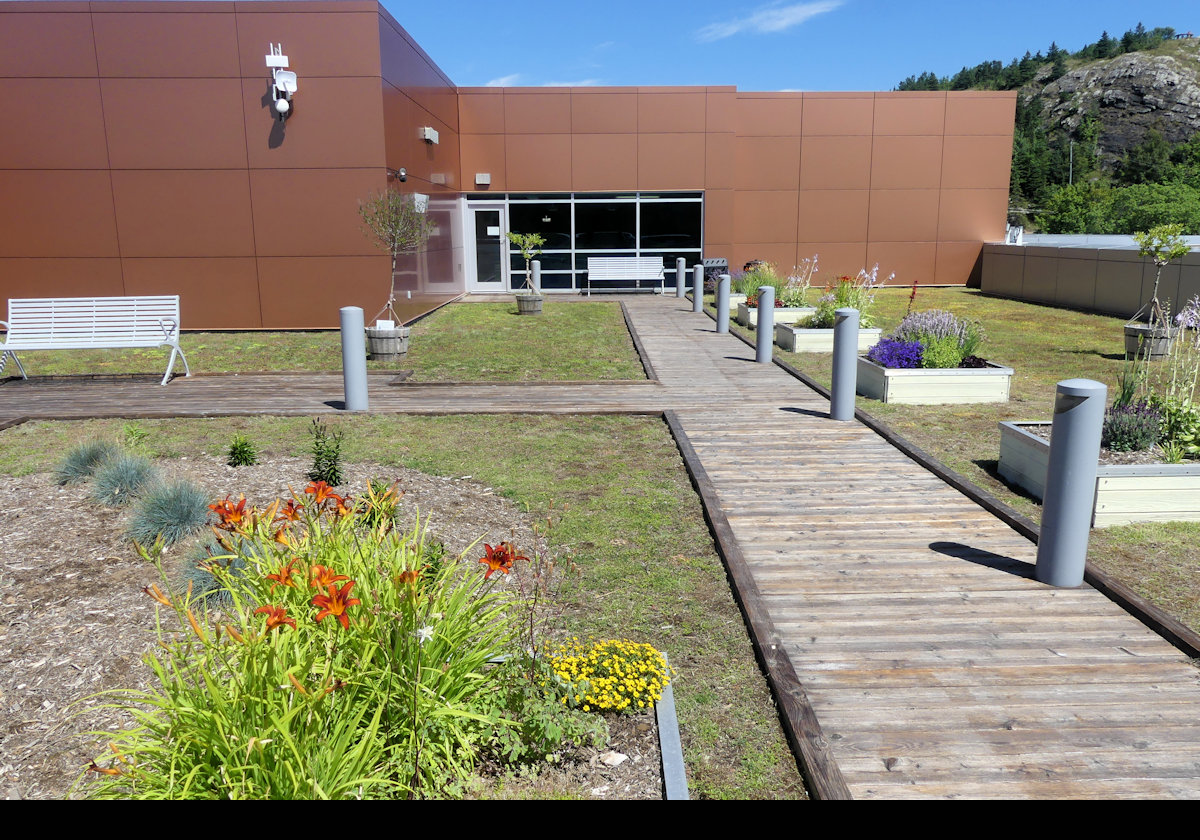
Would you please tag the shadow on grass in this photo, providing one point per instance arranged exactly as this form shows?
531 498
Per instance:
980 557
1098 354
991 466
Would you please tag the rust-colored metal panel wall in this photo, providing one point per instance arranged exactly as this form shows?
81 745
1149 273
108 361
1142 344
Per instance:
172 174
916 180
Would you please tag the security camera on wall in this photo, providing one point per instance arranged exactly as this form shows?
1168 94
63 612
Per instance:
283 82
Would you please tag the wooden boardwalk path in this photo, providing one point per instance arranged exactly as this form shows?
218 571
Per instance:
935 665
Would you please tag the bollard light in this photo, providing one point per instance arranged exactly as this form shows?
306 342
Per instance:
845 364
698 288
723 282
680 277
1070 481
354 358
766 324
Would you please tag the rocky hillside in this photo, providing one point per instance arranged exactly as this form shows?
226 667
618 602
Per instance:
1130 95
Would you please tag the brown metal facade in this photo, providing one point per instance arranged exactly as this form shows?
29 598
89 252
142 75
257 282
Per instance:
140 155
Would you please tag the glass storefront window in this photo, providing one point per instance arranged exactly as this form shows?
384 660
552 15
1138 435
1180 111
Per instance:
670 224
606 226
550 262
552 221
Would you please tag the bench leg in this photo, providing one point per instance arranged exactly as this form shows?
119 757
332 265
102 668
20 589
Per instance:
11 354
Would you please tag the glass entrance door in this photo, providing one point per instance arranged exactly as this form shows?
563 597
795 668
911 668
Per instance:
490 268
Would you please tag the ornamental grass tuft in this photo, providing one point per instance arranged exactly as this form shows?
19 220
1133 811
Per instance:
170 511
82 461
122 479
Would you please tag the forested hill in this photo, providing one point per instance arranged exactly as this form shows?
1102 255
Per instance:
1107 137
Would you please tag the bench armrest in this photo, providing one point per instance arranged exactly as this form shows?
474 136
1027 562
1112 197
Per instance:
172 333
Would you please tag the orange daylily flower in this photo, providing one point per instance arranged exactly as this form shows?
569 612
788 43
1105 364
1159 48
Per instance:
500 558
341 506
107 771
276 616
229 513
409 577
292 511
323 577
321 492
336 603
284 537
283 577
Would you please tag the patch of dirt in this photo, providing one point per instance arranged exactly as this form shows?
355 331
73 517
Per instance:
1152 456
74 620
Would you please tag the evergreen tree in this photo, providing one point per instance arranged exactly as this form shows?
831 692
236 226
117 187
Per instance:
1149 162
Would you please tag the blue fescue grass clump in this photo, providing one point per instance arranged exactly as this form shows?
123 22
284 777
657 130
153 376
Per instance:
122 479
1131 428
891 353
205 567
83 460
172 510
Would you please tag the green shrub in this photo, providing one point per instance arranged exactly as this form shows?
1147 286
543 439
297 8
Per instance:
242 452
83 460
122 479
943 352
172 510
327 454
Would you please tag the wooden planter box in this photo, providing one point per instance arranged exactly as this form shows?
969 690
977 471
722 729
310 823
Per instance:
1124 492
748 317
807 340
933 386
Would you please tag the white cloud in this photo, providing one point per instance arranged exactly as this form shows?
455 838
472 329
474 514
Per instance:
504 81
774 18
579 83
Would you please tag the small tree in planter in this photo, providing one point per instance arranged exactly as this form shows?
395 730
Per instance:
396 225
1152 338
530 245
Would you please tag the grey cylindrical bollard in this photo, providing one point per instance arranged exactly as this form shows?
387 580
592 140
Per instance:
354 358
680 277
723 303
535 270
766 324
1070 481
698 288
845 364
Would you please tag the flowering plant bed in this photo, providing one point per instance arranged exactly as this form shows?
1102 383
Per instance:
934 386
801 339
1124 492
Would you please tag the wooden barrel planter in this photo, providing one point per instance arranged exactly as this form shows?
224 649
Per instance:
1140 338
387 344
529 304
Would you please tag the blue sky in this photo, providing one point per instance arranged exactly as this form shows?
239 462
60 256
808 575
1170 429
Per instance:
784 45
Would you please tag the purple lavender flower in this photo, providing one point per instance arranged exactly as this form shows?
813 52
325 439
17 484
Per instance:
1189 316
896 354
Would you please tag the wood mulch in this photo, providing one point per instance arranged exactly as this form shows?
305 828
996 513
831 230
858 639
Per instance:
74 621
1152 456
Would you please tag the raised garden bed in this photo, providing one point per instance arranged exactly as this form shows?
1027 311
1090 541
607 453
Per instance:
933 386
1124 492
809 340
747 316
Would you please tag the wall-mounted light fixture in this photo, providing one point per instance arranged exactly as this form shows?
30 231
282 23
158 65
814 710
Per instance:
400 174
283 82
428 134
483 179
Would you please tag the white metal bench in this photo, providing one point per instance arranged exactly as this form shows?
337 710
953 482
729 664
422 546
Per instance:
616 273
86 323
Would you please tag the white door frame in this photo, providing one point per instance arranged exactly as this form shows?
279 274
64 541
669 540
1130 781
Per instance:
469 251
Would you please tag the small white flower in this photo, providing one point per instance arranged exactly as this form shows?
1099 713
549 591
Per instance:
424 634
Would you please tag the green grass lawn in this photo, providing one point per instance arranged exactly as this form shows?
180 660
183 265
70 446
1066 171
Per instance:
1043 345
633 524
461 341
